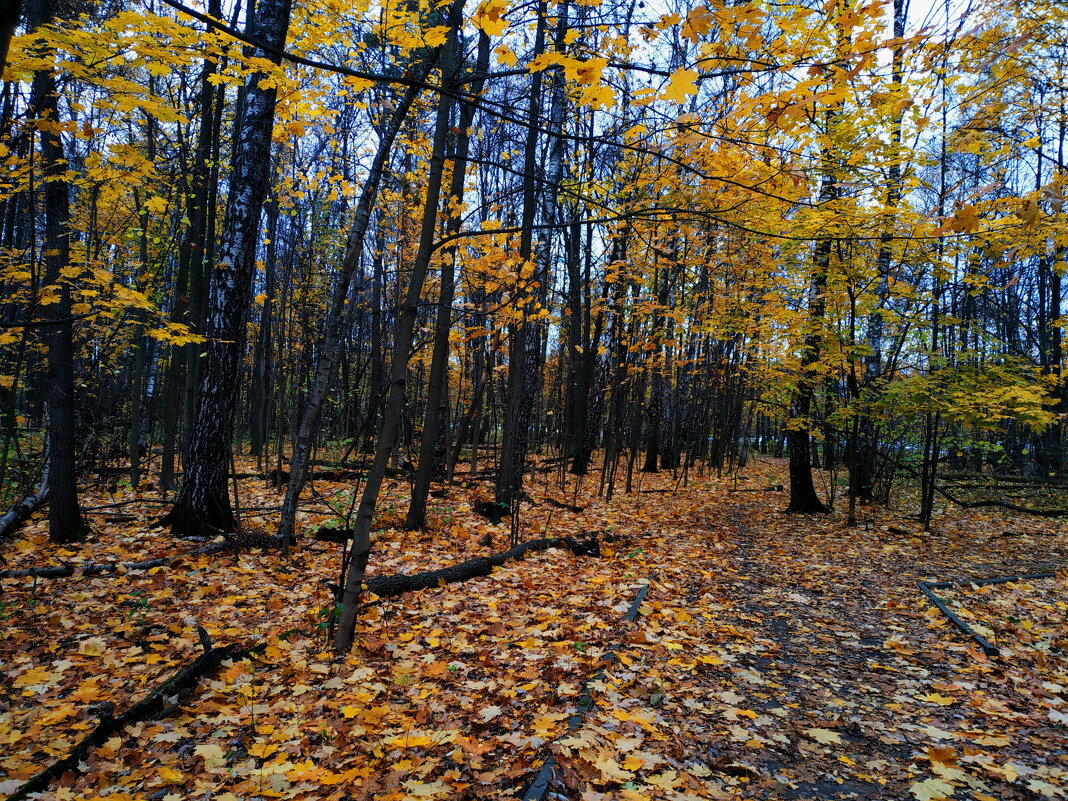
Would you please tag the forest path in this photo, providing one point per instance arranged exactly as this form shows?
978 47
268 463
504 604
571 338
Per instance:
841 681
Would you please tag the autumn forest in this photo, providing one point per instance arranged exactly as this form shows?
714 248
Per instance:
542 399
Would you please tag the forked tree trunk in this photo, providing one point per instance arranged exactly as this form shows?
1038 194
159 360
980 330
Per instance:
438 383
402 344
330 350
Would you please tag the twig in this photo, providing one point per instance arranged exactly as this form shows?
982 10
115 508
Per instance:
540 786
984 643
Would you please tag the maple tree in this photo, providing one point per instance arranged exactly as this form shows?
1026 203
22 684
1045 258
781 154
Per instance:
544 286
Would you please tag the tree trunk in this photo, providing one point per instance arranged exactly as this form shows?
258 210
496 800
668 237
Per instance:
524 369
190 278
330 347
803 496
402 343
203 505
65 522
259 401
438 384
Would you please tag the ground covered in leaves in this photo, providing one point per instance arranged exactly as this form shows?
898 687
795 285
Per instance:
774 657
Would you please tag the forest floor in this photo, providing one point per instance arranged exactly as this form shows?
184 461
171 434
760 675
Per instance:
774 657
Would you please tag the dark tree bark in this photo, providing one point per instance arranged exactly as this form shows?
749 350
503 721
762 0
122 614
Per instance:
330 349
65 522
402 343
586 333
803 496
259 402
524 367
203 505
864 440
10 10
437 384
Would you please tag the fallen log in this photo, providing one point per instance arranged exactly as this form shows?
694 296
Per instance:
105 568
993 580
156 703
338 535
561 505
772 488
400 583
1005 534
1012 507
987 504
21 511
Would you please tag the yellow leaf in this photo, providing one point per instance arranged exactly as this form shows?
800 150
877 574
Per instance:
697 23
488 17
682 84
505 55
667 780
425 790
171 776
612 771
357 84
213 755
937 698
825 736
157 69
931 789
942 755
262 750
35 676
435 37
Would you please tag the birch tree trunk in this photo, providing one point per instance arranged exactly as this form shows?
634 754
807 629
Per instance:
203 505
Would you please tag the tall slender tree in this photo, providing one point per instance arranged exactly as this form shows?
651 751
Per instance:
203 506
65 521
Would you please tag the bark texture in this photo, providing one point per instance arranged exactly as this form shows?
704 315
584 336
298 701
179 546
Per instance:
203 505
65 522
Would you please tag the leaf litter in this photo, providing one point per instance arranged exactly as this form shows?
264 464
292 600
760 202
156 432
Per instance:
774 657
